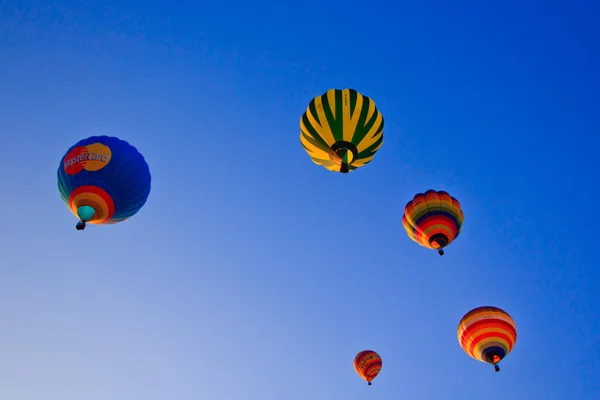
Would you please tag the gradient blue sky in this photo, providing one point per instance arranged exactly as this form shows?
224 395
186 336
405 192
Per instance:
252 273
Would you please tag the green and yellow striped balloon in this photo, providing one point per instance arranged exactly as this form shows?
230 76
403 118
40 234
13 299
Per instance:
341 130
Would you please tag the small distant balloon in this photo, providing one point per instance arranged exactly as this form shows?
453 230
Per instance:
103 180
341 130
367 365
488 334
433 219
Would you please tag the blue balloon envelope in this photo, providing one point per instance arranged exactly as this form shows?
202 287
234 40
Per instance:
103 180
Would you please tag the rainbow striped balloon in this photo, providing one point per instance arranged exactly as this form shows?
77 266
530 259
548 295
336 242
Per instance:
367 365
433 219
487 334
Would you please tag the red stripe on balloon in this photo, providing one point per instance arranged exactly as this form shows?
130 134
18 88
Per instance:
98 191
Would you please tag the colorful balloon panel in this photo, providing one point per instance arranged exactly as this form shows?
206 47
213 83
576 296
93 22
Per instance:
433 219
104 178
367 365
341 130
487 334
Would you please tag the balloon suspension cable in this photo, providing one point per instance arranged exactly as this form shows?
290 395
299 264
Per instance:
440 250
497 368
344 168
85 214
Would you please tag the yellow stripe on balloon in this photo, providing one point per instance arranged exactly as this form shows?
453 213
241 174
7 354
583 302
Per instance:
93 200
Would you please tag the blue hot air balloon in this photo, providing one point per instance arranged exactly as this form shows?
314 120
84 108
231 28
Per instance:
103 180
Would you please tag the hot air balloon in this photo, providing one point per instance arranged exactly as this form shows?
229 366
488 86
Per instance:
487 334
433 219
341 130
103 180
367 365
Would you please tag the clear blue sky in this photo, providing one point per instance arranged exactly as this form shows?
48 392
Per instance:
252 273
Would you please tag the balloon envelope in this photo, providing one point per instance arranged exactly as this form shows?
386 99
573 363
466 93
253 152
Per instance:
487 334
341 130
367 365
433 219
103 180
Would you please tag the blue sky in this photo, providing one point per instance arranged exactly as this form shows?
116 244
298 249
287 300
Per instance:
252 273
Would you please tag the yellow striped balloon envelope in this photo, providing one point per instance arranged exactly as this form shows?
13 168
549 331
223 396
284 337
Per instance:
433 219
487 334
341 130
367 365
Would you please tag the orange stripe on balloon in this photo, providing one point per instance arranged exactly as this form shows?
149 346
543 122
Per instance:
438 229
95 197
367 365
488 336
495 323
483 345
435 220
432 195
480 340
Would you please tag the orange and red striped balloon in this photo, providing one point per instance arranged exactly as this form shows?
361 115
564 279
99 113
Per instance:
367 365
487 334
433 219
